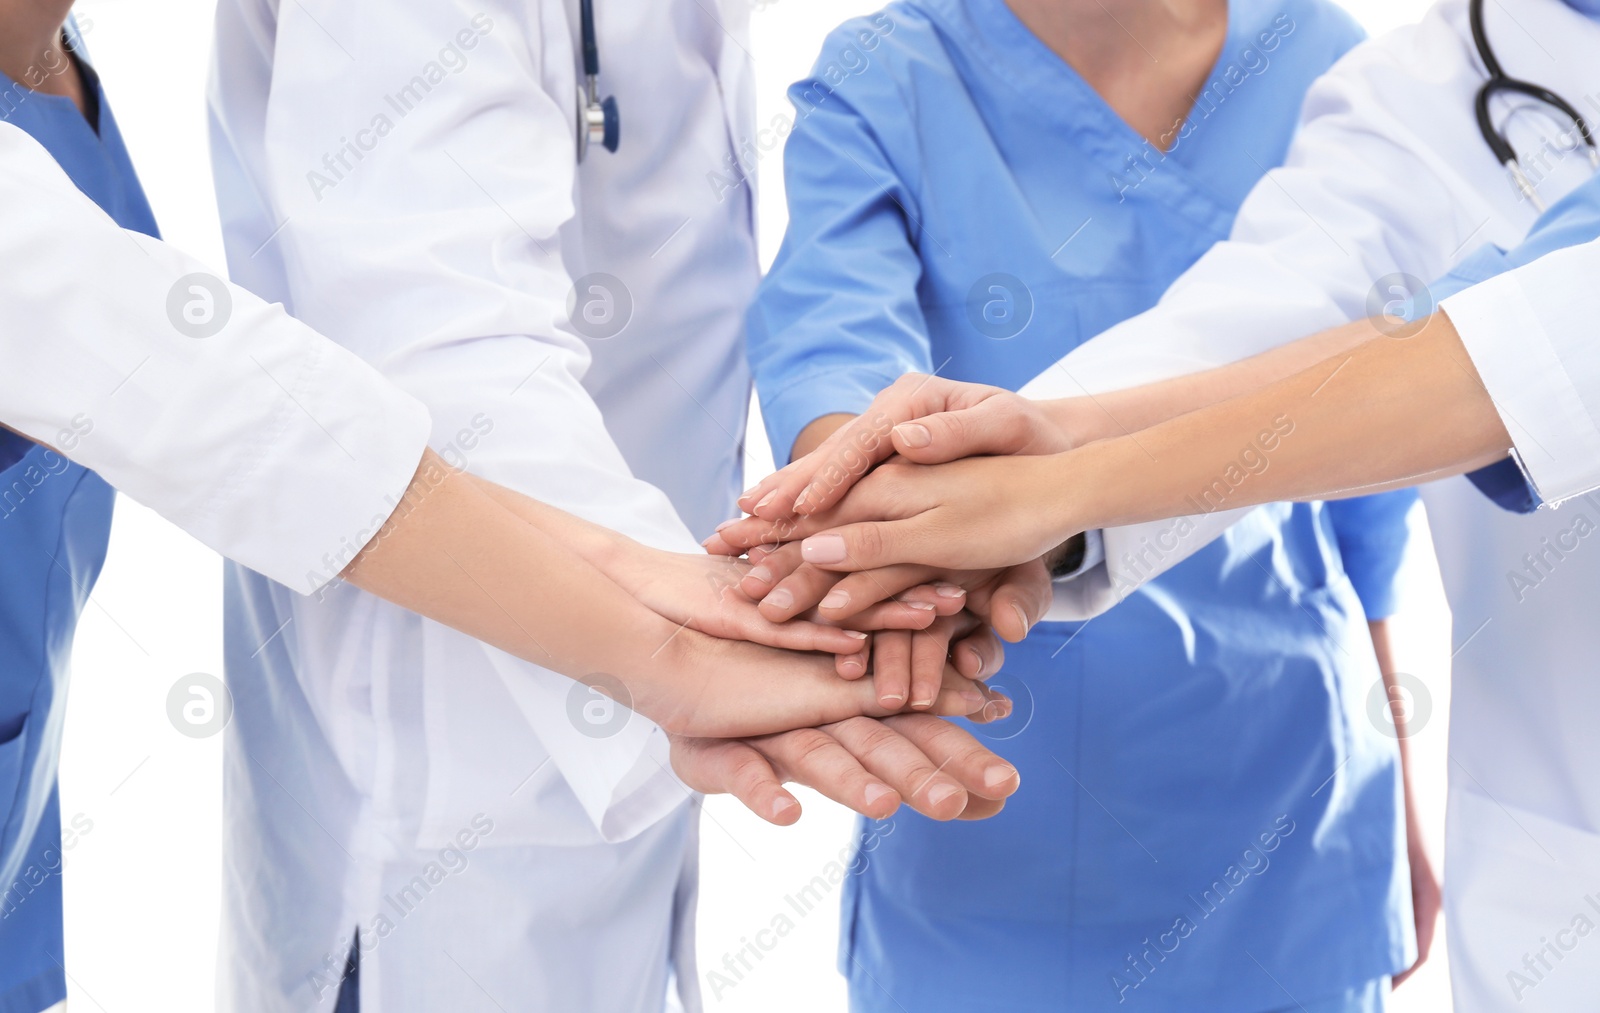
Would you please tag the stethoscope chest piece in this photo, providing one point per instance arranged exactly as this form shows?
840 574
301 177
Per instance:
598 119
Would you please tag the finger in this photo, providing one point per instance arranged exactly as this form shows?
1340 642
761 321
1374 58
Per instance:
771 565
759 553
728 766
978 655
894 615
960 697
947 599
912 396
995 426
997 707
891 667
785 691
959 754
814 757
798 592
1017 601
930 654
866 545
851 666
800 635
980 808
901 763
855 591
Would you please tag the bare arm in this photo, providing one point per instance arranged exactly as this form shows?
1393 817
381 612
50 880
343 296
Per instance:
1390 412
452 553
1103 416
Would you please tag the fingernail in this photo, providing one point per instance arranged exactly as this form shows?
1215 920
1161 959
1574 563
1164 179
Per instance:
921 606
853 634
913 434
768 498
949 590
998 774
836 599
977 658
760 573
725 525
940 792
782 598
823 549
973 699
922 704
782 805
892 699
1021 616
876 791
802 497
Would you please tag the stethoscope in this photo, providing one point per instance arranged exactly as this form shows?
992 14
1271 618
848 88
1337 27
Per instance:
598 122
1499 82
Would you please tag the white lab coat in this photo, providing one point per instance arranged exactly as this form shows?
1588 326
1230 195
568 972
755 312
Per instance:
309 448
1389 174
403 177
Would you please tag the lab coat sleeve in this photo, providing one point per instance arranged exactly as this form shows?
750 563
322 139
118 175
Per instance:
837 319
1305 249
246 428
421 157
1531 333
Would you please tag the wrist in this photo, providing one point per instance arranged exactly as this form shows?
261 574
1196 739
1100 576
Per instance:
1066 416
1055 495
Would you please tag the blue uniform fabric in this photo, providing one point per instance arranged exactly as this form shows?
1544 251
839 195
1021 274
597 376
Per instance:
1573 220
1208 816
55 518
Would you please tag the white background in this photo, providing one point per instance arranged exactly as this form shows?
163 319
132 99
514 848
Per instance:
143 890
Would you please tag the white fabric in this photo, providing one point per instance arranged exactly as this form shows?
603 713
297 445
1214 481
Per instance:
1533 333
270 444
403 176
1389 174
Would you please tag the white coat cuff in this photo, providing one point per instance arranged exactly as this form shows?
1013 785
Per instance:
1132 555
1515 327
349 445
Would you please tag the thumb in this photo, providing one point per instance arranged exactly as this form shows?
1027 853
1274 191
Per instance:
991 427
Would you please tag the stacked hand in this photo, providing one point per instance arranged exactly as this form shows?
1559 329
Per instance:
918 611
724 676
938 481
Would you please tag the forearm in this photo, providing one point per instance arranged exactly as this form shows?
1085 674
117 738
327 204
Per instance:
1389 413
452 553
1119 412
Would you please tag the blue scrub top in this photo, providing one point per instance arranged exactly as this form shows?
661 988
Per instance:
1208 817
55 518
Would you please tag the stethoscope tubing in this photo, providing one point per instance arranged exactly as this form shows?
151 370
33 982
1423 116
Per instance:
1499 82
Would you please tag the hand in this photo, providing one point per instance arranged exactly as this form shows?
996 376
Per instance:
866 765
701 686
911 664
952 420
1426 899
1010 599
703 593
972 514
